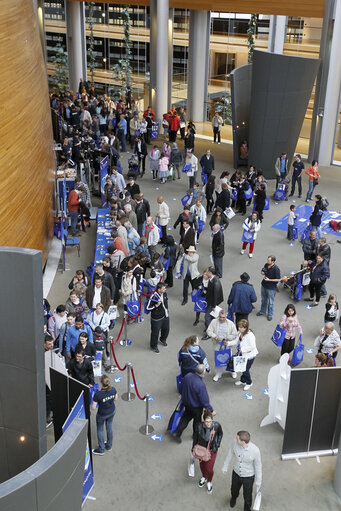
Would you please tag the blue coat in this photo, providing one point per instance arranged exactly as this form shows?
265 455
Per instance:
186 362
321 272
194 393
241 298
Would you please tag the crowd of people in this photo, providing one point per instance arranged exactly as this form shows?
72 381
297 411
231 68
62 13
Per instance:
144 258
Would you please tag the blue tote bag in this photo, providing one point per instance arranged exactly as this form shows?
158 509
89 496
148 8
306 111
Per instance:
204 178
185 199
278 336
201 226
222 356
176 416
305 233
234 195
230 313
187 168
299 288
247 236
248 193
133 306
297 354
279 194
165 262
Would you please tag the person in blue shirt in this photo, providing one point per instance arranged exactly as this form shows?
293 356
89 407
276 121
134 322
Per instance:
297 170
105 398
122 132
242 297
72 337
281 167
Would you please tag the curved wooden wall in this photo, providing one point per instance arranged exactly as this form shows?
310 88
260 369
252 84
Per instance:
26 145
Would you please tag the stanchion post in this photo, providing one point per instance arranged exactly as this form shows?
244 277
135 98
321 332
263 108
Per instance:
125 341
128 396
146 429
113 367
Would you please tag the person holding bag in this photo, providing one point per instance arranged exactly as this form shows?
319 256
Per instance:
246 346
191 355
289 321
206 442
251 226
221 329
313 173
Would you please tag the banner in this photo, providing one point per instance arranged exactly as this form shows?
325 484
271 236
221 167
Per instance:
78 411
103 172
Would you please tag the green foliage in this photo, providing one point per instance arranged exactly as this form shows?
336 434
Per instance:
223 107
60 79
91 54
122 70
250 36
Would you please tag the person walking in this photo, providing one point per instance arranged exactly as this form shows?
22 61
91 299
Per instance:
246 346
191 355
195 398
105 399
271 276
190 271
251 226
217 122
191 160
214 296
221 329
159 320
316 216
289 321
209 434
207 163
313 173
163 217
297 171
247 468
241 298
218 249
175 159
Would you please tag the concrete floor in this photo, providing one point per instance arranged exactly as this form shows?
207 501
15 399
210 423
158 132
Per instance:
144 474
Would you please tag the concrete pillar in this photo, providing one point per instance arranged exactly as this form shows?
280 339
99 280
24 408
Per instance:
199 39
76 42
161 62
152 54
277 33
329 112
170 55
38 6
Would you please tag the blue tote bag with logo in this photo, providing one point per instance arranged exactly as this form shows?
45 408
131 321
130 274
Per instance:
278 336
297 354
222 356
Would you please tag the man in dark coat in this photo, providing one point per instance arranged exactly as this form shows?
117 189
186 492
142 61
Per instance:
241 298
141 151
98 293
214 296
207 163
188 236
218 249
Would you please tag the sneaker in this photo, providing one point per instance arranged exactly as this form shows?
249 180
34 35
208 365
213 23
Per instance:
196 322
315 304
164 343
216 377
233 502
242 252
259 314
209 488
234 375
155 350
238 383
247 387
205 337
98 451
107 448
250 256
202 482
269 318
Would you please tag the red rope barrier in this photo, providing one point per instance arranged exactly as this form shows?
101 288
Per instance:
145 294
137 392
134 317
113 354
119 335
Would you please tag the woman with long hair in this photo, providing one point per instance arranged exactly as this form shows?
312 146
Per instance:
251 225
289 321
105 398
246 345
191 355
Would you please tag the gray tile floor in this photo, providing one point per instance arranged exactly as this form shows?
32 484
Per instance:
144 474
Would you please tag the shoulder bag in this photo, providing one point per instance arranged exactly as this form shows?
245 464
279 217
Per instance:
202 453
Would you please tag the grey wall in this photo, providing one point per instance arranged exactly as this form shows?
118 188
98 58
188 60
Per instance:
280 92
53 483
240 100
22 385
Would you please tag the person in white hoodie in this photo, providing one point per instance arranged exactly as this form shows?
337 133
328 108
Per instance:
152 236
192 173
251 226
221 329
163 217
246 346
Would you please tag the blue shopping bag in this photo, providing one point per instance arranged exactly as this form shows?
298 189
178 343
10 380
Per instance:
279 194
176 416
187 168
234 195
267 204
230 313
248 193
295 232
185 199
201 226
297 354
299 288
155 131
165 262
204 178
178 382
278 336
200 305
92 391
133 306
137 133
305 233
222 356
247 236
159 227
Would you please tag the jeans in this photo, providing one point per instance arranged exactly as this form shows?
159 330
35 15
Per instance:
206 467
74 220
141 228
246 377
218 265
185 287
310 190
318 230
122 138
268 299
208 317
247 484
290 235
299 184
100 421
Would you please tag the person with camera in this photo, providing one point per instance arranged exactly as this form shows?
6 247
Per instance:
271 276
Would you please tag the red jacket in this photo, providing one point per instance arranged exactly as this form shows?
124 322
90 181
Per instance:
73 202
174 123
119 245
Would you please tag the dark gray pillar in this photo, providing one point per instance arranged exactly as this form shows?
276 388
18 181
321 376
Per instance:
337 475
240 101
22 382
76 42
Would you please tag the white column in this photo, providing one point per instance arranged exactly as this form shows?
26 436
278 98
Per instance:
162 67
277 33
152 54
330 113
199 39
170 55
76 42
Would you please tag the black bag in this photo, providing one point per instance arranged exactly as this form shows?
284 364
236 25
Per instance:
99 344
315 181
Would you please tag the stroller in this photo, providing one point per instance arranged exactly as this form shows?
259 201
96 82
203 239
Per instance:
134 167
281 192
297 283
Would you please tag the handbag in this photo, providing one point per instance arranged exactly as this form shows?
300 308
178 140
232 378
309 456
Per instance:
247 236
133 306
165 262
230 313
248 193
279 194
222 356
203 453
305 233
113 312
257 502
204 178
200 304
297 355
315 181
278 336
201 226
176 416
299 288
229 213
191 467
178 382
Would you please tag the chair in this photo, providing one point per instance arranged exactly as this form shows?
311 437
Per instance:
72 242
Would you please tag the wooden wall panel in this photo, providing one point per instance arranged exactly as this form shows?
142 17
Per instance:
26 144
310 8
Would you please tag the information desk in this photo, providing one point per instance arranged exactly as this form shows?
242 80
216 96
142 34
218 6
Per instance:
103 237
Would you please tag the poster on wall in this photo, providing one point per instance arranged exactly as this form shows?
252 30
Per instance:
78 411
103 174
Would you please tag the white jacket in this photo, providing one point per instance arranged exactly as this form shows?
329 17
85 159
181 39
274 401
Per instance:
257 226
213 329
332 342
152 235
201 212
193 160
163 214
247 345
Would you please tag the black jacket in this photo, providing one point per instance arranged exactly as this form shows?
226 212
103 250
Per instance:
325 252
188 239
157 312
218 249
260 199
214 295
84 373
133 189
199 436
223 200
143 151
141 212
207 164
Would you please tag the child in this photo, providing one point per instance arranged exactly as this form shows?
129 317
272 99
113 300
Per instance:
153 281
100 342
332 309
335 225
291 221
